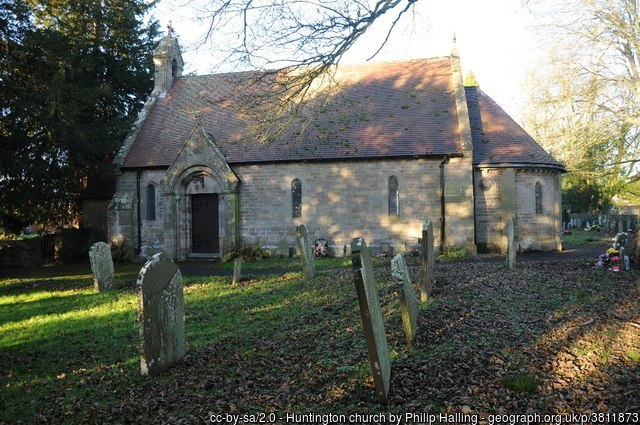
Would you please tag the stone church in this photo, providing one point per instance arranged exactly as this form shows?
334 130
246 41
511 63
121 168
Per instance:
388 146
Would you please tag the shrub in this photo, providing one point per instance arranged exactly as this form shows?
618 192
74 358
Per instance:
247 252
454 253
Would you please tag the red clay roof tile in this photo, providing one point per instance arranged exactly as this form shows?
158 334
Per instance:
498 139
401 109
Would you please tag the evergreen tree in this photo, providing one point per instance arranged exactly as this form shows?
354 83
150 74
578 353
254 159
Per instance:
470 80
73 75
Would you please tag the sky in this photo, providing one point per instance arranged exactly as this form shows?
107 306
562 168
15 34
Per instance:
494 37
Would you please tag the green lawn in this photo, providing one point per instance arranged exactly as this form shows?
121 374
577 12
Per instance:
292 264
587 238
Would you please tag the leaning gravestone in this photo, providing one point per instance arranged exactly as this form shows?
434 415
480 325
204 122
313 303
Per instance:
101 266
237 271
305 252
161 315
428 256
371 315
511 245
409 304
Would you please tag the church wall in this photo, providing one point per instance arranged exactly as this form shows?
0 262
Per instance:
343 200
534 230
489 221
120 212
153 235
537 230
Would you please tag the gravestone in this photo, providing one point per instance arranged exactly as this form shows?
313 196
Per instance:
371 315
101 266
161 315
237 271
283 249
409 304
305 252
511 245
428 257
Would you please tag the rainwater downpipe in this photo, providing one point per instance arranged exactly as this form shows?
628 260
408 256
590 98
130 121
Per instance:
139 213
442 204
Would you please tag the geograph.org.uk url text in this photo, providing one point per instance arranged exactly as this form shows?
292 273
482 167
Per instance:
424 418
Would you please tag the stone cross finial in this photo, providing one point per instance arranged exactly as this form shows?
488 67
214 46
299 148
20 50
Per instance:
169 28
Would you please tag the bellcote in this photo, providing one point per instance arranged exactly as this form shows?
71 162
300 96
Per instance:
168 62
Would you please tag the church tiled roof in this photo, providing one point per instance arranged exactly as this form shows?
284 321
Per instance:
379 110
498 140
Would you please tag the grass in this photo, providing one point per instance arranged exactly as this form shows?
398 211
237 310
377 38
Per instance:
587 238
58 336
279 343
290 264
522 383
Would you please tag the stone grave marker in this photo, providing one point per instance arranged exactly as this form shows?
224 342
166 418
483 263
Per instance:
428 257
511 245
409 304
305 252
161 315
237 271
283 249
371 315
101 266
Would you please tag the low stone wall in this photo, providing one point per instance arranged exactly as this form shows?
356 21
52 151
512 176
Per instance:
21 253
73 245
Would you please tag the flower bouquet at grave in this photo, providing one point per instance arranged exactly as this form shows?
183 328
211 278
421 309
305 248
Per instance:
320 249
615 264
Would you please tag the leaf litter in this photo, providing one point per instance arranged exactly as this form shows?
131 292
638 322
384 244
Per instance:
547 337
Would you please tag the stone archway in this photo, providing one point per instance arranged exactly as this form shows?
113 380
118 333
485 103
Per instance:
200 178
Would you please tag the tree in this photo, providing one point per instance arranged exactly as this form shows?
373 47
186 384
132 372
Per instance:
470 80
296 43
72 77
585 101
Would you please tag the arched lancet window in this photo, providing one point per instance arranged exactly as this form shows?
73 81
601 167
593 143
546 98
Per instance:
538 198
296 198
174 68
151 202
394 196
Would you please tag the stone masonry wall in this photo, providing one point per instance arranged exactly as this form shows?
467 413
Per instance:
341 201
534 231
153 237
121 217
489 221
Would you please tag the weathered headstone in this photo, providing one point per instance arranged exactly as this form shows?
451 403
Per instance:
305 252
371 315
409 304
237 271
283 249
428 257
161 315
101 266
511 245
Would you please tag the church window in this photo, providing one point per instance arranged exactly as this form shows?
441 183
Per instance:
151 202
296 198
394 196
538 198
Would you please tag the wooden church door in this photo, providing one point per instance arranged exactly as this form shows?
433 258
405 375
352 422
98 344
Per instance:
204 224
